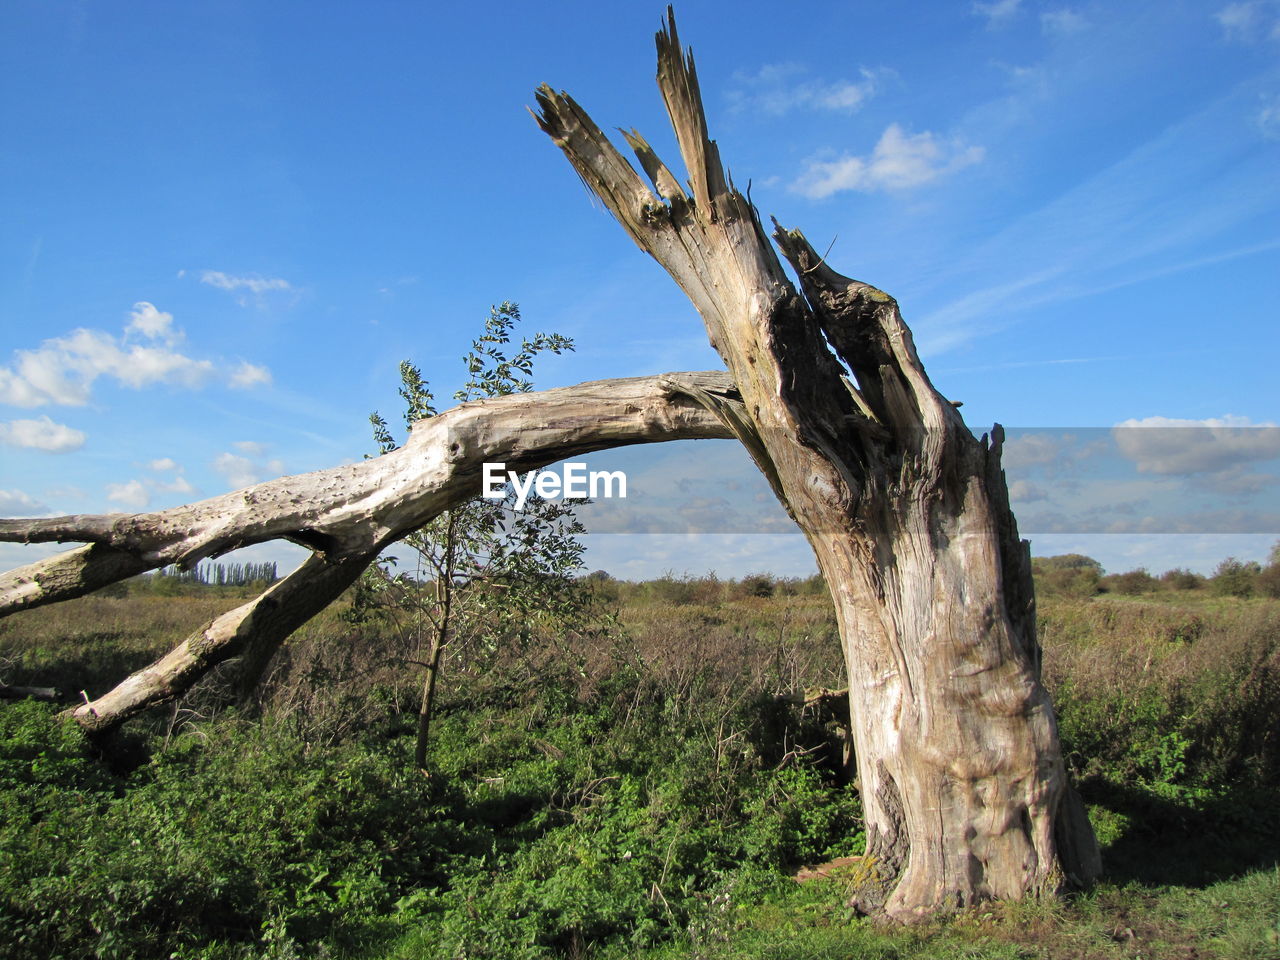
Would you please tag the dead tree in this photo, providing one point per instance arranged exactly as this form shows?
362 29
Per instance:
963 787
964 791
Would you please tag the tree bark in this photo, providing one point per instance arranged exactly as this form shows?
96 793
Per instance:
429 676
964 790
347 515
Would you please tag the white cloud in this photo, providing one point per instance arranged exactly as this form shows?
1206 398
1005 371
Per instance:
1240 21
1170 446
1062 22
245 471
250 375
778 89
151 323
252 282
997 12
1024 491
62 370
1268 118
15 503
899 161
1250 21
42 434
178 484
131 494
237 471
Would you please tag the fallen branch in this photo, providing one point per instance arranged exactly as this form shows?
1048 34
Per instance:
345 515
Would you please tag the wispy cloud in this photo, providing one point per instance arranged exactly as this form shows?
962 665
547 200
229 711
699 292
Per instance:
1249 21
249 288
998 12
253 282
1268 117
1062 23
41 434
780 88
1167 206
900 161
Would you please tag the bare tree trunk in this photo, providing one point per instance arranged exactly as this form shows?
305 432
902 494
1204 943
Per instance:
347 515
964 790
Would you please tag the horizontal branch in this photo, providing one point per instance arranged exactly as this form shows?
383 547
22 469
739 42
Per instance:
352 509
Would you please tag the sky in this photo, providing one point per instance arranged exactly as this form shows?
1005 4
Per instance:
225 224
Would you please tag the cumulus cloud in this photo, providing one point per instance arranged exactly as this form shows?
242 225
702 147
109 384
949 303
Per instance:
1170 446
899 161
250 375
62 370
131 494
779 88
15 503
145 320
163 465
998 12
41 434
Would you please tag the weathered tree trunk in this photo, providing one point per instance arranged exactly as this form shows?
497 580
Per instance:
963 785
347 515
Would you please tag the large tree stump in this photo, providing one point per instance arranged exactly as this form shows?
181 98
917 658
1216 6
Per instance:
963 784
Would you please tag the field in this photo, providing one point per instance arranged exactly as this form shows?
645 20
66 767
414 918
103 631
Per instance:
650 785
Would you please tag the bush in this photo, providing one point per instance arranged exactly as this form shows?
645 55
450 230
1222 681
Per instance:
756 585
1235 578
1068 575
1130 584
1181 579
1268 581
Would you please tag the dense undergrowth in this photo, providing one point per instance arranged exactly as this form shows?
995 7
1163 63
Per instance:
647 789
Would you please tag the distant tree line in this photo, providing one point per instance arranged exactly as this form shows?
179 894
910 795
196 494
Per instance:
1076 575
220 574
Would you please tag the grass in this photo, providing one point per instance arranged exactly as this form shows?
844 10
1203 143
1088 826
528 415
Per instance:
644 791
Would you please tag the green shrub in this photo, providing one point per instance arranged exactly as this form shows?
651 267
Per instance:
1235 578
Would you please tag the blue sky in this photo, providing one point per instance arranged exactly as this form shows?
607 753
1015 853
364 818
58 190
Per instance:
226 223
